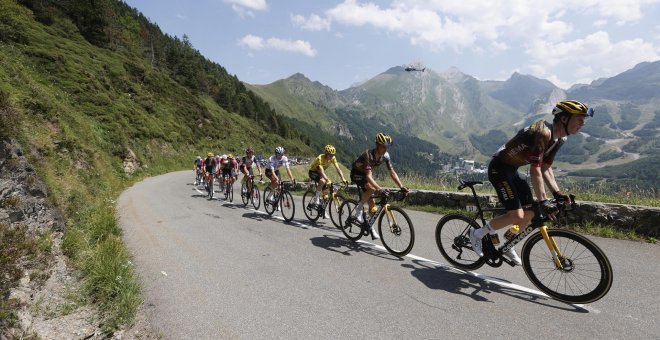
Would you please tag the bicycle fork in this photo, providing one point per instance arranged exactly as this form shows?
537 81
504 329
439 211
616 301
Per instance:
553 248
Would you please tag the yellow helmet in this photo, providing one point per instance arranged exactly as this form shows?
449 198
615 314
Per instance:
572 108
383 139
230 156
329 149
210 154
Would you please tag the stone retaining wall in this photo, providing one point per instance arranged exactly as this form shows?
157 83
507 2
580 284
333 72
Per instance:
644 220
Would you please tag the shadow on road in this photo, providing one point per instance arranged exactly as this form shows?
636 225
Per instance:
476 288
348 247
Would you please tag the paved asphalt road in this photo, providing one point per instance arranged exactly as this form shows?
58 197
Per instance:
211 269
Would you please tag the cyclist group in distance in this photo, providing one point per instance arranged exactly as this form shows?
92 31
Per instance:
535 145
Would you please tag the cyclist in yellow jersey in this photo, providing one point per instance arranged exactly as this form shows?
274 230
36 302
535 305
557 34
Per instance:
317 170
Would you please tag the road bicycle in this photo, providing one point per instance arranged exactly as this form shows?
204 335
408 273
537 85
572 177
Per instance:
279 199
329 201
208 183
397 234
250 192
561 263
228 187
199 177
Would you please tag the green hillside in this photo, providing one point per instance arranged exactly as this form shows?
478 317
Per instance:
83 85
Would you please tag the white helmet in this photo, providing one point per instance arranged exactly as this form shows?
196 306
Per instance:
198 158
224 156
279 150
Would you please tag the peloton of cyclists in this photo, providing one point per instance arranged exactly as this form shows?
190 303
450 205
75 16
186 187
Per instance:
537 146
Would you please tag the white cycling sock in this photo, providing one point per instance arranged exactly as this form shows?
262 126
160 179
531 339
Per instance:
358 210
481 232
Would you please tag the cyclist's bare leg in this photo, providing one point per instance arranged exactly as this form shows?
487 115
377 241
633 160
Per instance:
519 217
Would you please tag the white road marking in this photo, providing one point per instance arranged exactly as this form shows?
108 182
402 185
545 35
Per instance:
419 258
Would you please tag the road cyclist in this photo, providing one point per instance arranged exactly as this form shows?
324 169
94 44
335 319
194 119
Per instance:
210 169
317 174
535 145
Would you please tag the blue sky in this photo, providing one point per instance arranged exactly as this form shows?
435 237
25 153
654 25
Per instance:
342 42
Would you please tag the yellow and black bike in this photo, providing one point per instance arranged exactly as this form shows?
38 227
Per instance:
394 226
563 264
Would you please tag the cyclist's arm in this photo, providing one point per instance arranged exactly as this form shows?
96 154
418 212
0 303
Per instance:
395 177
549 178
341 174
288 172
258 167
371 181
322 173
536 172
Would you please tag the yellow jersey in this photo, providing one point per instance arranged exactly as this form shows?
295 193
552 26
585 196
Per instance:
321 160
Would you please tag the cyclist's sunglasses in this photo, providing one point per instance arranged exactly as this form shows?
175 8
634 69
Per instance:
590 112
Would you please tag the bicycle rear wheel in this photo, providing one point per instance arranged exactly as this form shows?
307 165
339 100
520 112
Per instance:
586 275
245 195
351 229
255 198
333 210
311 212
268 206
451 236
397 235
287 206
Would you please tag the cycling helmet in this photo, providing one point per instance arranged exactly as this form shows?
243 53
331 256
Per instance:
230 156
383 139
572 108
279 150
249 149
224 156
210 154
329 149
198 158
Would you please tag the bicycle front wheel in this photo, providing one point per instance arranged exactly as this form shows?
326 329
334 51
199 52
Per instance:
586 274
397 234
245 195
287 206
351 229
451 236
268 205
255 198
333 210
311 212
231 193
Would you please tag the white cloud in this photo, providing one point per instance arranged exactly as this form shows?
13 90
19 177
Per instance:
257 5
600 23
181 16
294 46
595 53
313 23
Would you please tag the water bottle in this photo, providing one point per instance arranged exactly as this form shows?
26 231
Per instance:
511 233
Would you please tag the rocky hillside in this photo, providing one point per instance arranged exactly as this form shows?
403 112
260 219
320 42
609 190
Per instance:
98 97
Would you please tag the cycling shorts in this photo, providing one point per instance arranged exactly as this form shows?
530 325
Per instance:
359 178
228 172
210 169
510 185
269 173
314 175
